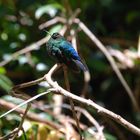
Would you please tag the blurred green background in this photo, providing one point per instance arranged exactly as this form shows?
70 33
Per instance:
115 22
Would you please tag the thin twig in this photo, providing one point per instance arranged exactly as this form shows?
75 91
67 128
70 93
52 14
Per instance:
88 102
28 84
82 126
78 109
60 19
24 134
26 102
15 91
74 15
34 46
52 22
10 135
31 116
93 121
90 118
71 101
86 73
139 46
29 48
22 121
122 58
111 60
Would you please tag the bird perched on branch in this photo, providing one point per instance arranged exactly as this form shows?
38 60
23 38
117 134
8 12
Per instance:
64 53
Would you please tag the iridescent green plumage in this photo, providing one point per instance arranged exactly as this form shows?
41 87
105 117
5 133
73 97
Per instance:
63 52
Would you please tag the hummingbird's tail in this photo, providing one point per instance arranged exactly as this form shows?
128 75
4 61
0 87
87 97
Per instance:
80 65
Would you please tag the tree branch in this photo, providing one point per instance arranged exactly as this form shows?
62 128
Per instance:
31 116
88 102
22 121
111 60
29 48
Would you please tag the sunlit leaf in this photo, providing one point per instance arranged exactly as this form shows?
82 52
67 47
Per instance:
50 9
42 132
2 70
56 28
5 83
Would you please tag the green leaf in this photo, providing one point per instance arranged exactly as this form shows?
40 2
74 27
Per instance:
50 9
131 16
56 28
2 70
110 137
5 83
9 98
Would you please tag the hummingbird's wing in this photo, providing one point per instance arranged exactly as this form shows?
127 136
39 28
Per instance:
72 59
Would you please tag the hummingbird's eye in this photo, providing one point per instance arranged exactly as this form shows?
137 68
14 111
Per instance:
55 35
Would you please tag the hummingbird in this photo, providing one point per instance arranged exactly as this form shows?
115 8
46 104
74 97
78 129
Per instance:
63 52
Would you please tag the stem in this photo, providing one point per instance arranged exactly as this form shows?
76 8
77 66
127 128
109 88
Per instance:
71 101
